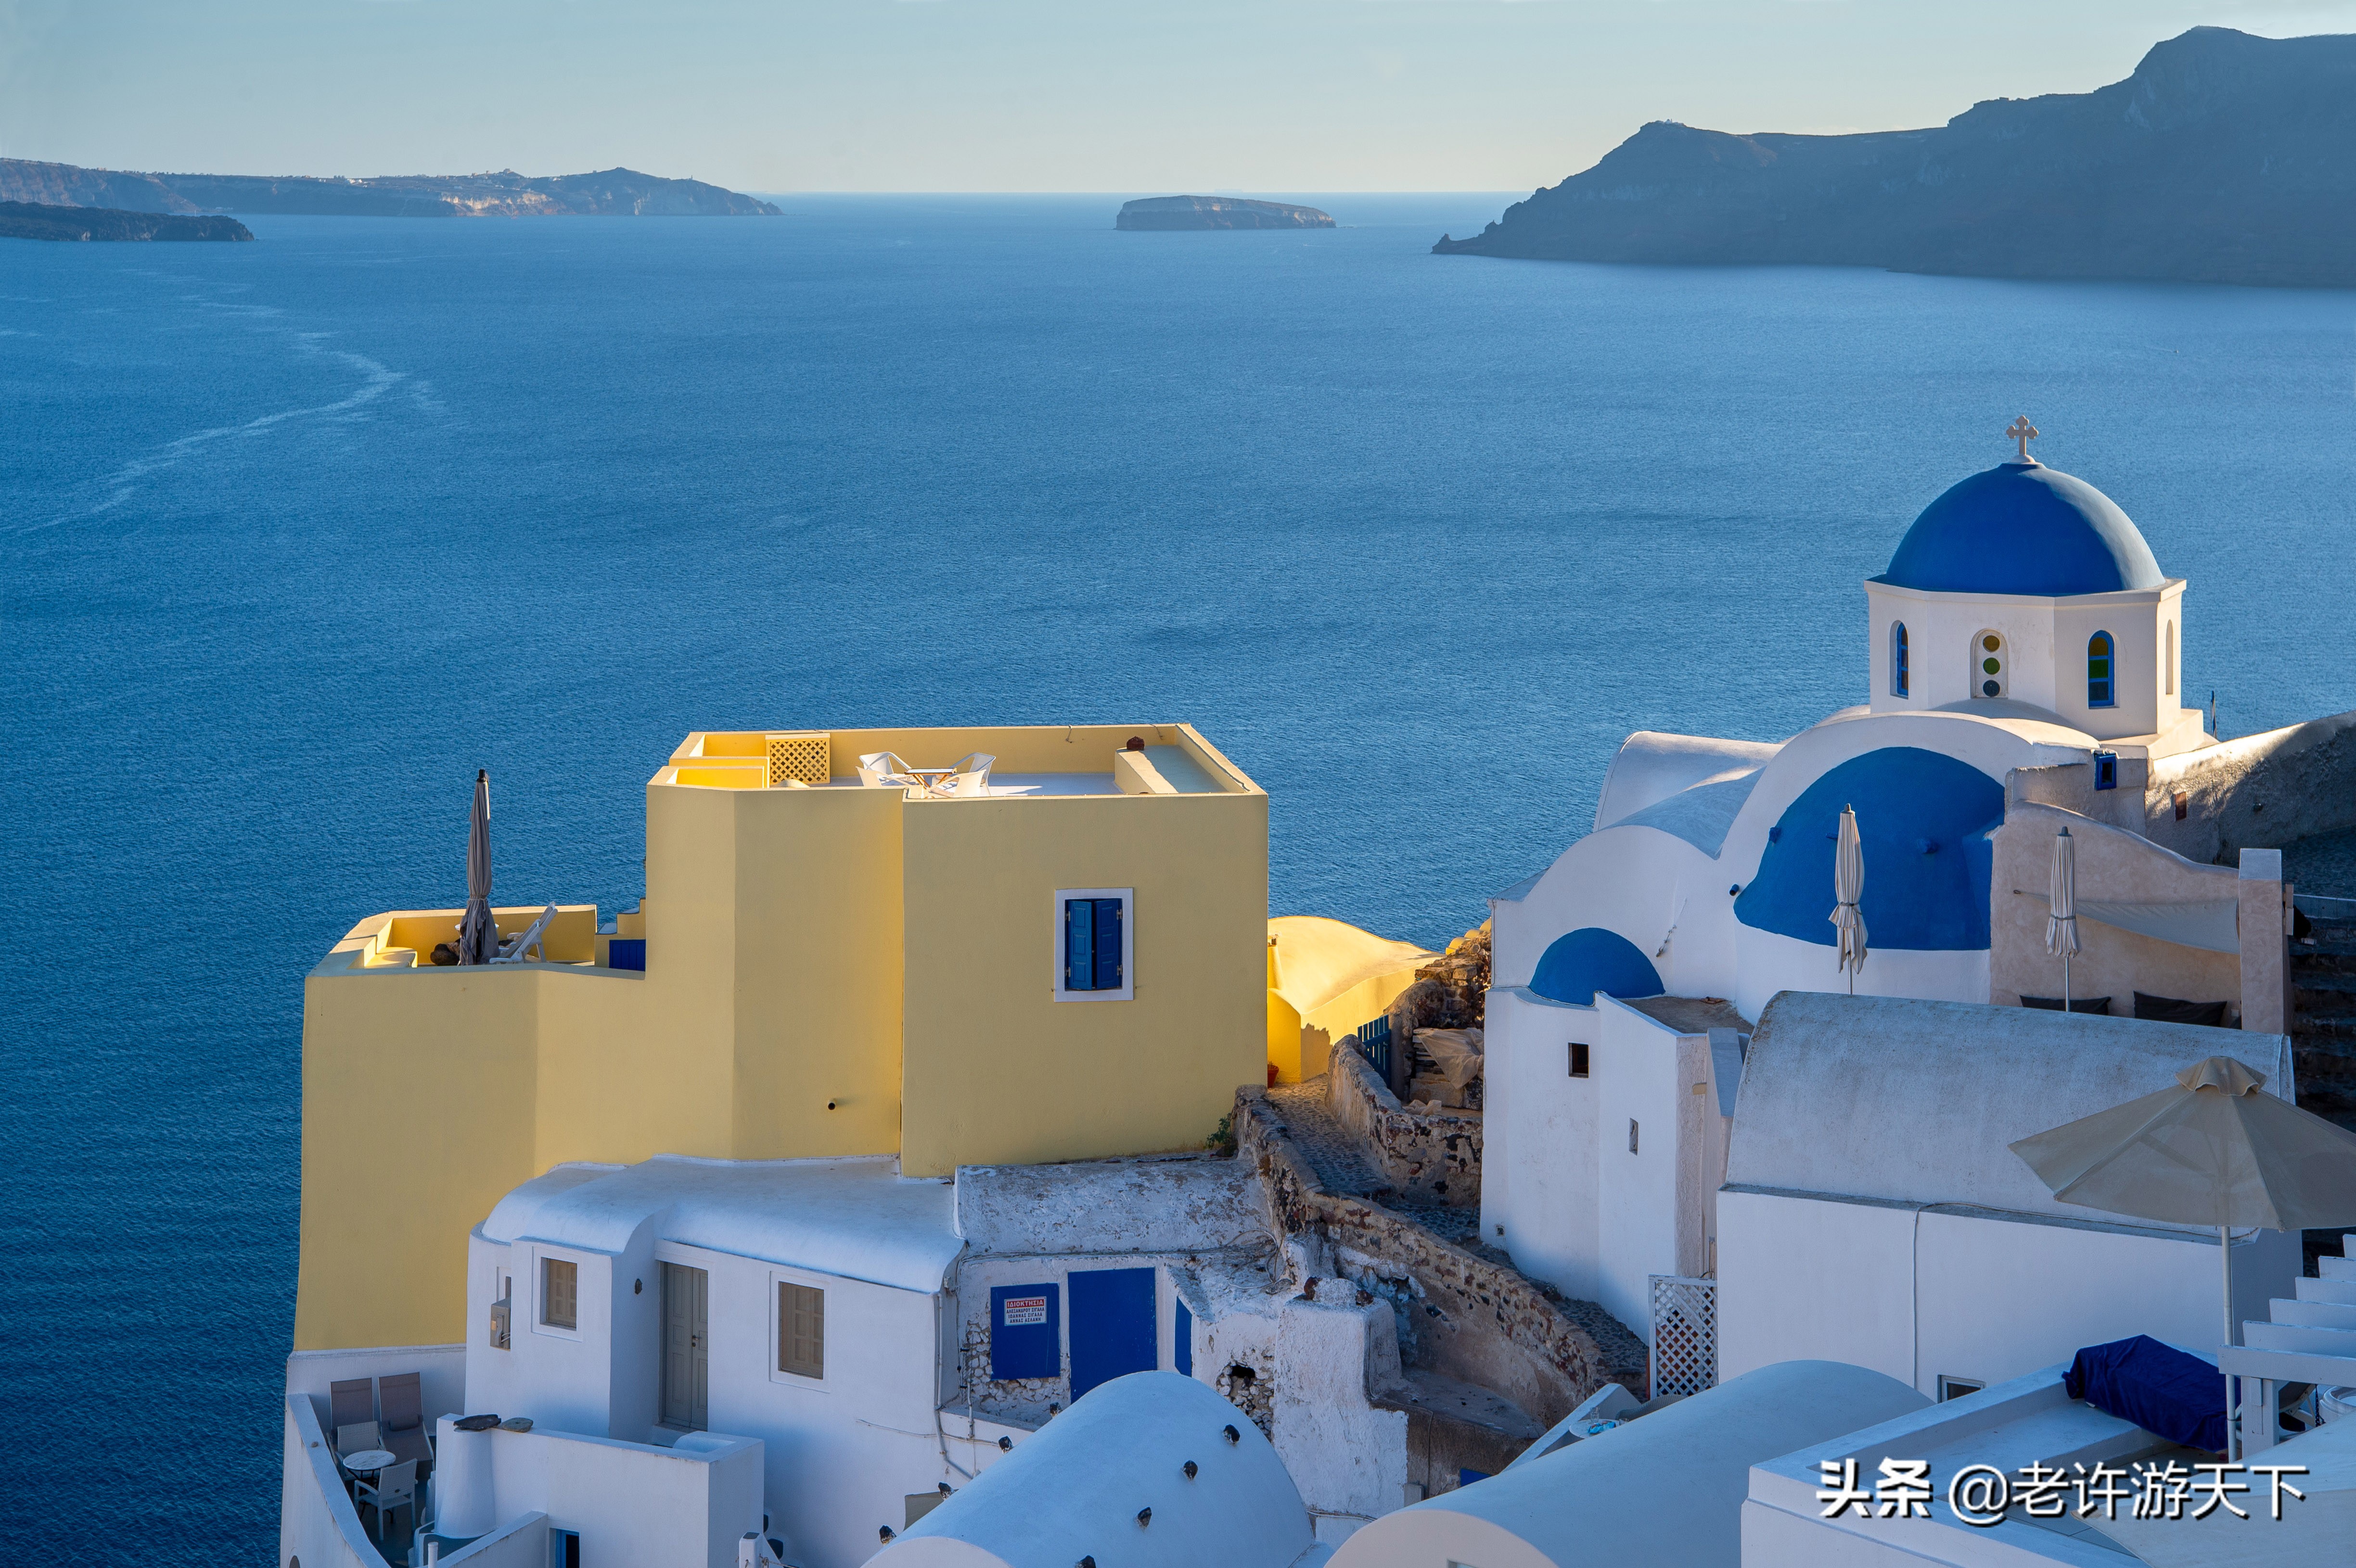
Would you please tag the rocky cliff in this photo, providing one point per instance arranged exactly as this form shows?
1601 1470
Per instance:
1169 212
507 194
2224 158
35 221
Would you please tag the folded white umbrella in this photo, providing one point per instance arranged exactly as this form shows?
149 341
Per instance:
1848 891
2209 1150
2062 923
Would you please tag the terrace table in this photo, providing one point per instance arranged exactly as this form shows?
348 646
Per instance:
368 1461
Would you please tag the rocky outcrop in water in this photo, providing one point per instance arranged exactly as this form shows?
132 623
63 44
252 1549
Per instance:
1175 212
507 194
35 220
2224 158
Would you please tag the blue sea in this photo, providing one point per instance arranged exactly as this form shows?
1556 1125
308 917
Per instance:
296 535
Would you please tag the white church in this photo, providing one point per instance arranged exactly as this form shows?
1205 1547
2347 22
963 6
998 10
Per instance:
2025 657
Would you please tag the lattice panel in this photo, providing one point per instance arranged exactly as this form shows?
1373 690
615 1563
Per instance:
798 756
1684 1334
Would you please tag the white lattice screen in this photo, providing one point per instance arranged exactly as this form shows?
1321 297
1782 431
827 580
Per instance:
1684 1334
798 756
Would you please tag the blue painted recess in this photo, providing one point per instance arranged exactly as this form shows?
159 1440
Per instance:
626 952
1112 1325
2023 528
1923 818
1592 959
1026 1338
1182 1340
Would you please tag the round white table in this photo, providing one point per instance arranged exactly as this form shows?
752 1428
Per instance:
368 1461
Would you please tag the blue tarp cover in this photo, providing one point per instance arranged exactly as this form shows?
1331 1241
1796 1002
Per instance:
2167 1392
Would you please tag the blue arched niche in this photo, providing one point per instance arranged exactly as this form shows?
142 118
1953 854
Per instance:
1592 959
1924 819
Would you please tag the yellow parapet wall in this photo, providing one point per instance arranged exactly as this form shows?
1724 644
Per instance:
831 970
1325 977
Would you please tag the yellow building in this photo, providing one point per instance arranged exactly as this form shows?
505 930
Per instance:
1065 964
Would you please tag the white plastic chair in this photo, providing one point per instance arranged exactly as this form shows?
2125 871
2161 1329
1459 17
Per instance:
515 948
969 775
882 770
395 1488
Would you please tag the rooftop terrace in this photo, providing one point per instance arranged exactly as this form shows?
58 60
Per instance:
1012 761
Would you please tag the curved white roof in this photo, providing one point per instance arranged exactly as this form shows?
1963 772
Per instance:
1075 1487
1666 1488
856 1219
1652 765
1916 1102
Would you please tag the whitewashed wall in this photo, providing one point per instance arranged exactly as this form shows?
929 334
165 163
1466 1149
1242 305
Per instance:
1918 1292
634 1505
842 1453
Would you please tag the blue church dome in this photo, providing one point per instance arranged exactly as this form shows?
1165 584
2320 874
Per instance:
2022 528
1592 959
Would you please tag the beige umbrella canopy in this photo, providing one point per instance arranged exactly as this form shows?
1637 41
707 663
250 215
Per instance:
1848 891
2213 1150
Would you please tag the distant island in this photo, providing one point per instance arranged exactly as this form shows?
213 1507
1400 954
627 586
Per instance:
507 194
1170 212
2223 159
40 220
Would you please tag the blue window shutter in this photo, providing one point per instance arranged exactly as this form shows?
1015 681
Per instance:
1181 1340
1107 945
1079 930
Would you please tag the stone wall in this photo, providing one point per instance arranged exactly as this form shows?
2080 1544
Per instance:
1481 1322
2261 791
1428 1152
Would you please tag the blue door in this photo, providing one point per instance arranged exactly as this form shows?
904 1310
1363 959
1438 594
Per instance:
1112 1325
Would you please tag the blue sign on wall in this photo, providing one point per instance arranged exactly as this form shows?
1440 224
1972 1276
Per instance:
1112 1325
1026 1338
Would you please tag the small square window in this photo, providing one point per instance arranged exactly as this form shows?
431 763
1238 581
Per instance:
801 1330
559 1293
1095 945
1578 1059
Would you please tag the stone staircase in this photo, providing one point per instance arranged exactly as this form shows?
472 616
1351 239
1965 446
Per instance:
2323 1023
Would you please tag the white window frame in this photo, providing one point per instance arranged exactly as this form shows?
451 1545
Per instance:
1127 991
826 1284
541 1257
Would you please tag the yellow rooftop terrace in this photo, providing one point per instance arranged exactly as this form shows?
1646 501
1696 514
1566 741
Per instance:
958 945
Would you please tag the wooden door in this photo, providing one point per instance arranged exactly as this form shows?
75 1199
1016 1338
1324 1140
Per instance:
687 1356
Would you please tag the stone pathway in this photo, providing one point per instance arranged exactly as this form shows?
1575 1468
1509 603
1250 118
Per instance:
1333 1152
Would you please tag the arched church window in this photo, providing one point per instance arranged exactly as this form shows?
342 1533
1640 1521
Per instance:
2101 688
2169 664
1988 660
1898 671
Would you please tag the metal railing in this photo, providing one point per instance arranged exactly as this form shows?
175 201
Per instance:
1372 1042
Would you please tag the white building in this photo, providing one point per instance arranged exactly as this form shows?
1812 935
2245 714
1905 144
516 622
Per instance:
2024 649
1147 1471
1874 1213
1666 1488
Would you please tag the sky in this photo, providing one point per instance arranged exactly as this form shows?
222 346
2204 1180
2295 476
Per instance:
1261 96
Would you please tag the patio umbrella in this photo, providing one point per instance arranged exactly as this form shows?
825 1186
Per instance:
2210 1150
479 934
1849 888
2061 924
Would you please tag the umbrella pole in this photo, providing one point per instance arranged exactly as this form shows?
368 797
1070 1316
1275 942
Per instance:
2066 980
2225 1253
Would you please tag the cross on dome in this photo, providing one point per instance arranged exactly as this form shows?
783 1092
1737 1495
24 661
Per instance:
2021 431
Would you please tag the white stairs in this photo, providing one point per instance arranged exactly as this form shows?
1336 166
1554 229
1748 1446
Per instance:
2310 1339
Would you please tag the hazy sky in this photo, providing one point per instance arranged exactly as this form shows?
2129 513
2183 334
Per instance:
1025 95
